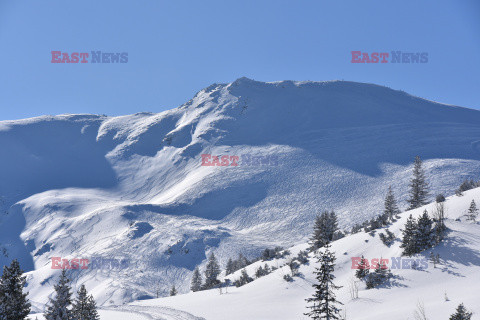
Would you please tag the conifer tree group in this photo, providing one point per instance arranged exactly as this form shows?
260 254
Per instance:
324 230
14 304
420 234
84 306
61 306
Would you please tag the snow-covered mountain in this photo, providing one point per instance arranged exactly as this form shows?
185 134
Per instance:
438 288
133 187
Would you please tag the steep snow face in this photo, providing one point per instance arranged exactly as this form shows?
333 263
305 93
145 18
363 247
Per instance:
133 187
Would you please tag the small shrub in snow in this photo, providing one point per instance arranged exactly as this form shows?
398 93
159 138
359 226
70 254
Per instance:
302 257
288 278
440 198
388 238
276 253
294 267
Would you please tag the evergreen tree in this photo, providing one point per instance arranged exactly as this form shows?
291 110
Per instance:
230 268
244 279
14 304
59 307
212 271
424 236
461 314
324 302
173 291
364 269
391 207
418 186
259 272
196 284
92 305
379 276
324 228
409 240
472 211
241 262
84 306
266 269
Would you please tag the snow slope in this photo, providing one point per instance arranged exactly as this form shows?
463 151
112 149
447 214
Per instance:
271 297
132 187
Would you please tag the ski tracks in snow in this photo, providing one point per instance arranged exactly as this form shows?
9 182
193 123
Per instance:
156 313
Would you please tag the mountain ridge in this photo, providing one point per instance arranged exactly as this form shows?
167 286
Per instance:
88 182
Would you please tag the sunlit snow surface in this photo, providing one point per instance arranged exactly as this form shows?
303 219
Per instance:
132 187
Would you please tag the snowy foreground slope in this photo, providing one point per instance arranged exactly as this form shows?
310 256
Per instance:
132 187
272 298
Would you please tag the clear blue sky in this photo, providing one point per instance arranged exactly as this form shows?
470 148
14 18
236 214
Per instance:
176 48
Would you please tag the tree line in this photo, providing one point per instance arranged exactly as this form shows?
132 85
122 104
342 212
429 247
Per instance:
14 304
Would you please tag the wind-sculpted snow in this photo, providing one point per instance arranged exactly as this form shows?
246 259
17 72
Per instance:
134 186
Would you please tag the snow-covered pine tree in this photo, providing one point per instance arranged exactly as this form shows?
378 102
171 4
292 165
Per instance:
461 313
391 208
212 271
196 284
173 291
364 269
472 211
84 306
409 240
259 272
379 276
14 304
324 303
244 279
418 186
92 306
59 308
425 236
230 268
323 230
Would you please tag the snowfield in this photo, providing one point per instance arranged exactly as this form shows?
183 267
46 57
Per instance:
270 297
133 188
